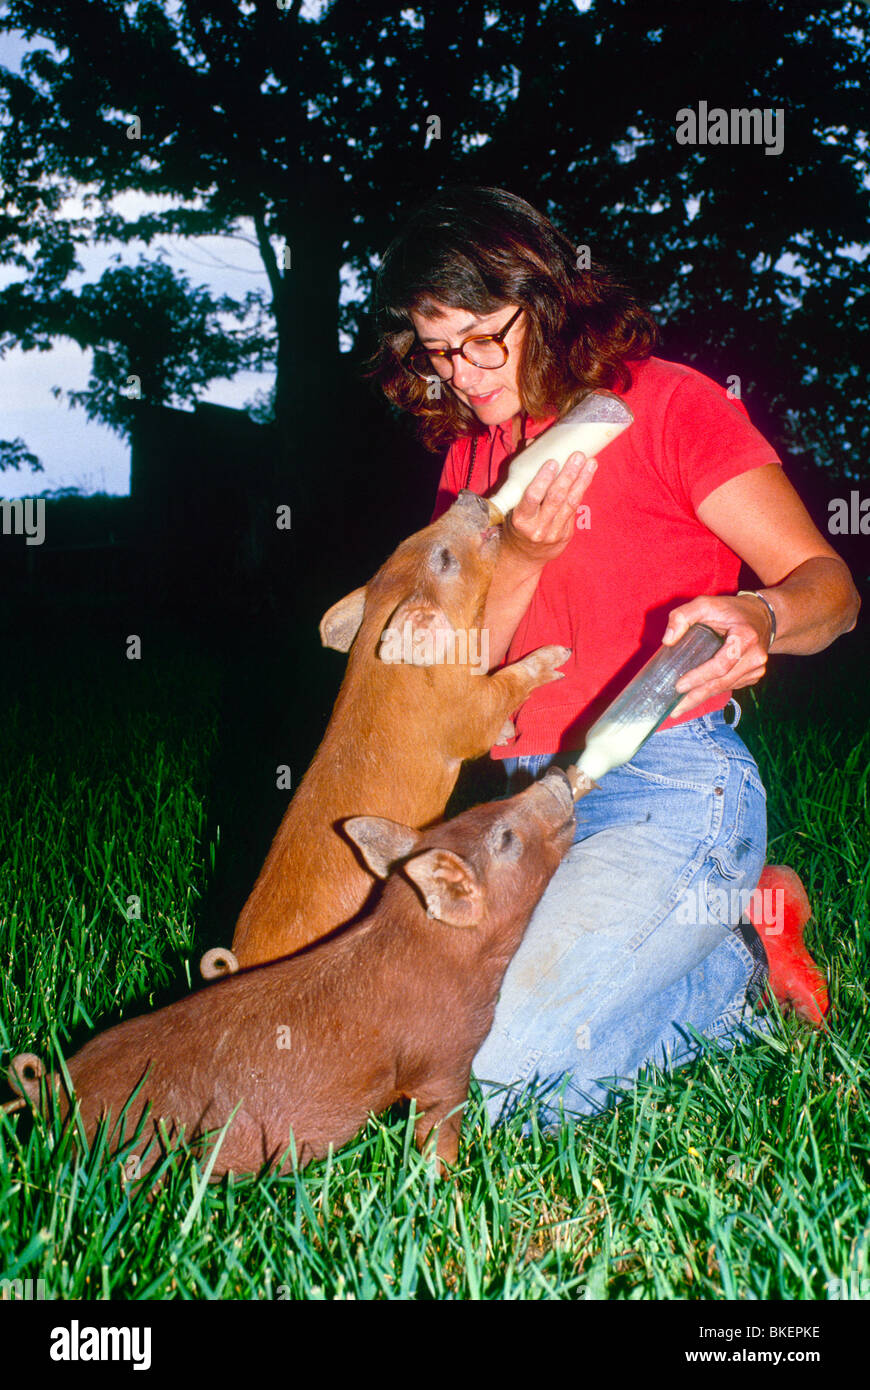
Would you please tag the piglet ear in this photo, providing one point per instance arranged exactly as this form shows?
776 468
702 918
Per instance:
341 623
450 888
381 842
411 633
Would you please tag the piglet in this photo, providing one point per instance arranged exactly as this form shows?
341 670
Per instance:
394 1007
416 701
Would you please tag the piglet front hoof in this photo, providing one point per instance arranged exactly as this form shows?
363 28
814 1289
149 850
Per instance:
545 662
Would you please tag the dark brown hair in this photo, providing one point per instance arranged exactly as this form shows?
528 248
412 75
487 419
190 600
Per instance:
478 249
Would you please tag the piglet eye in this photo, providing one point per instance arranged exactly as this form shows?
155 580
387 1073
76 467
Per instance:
503 843
443 561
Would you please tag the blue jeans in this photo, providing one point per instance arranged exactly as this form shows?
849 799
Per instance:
633 945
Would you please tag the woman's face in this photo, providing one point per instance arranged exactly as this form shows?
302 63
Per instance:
492 393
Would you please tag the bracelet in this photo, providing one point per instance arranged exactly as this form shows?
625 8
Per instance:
753 593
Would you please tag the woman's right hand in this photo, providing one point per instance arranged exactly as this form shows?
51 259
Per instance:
543 521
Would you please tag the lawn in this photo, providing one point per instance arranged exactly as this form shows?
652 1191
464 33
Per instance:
129 787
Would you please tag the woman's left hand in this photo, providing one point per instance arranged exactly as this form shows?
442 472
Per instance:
746 626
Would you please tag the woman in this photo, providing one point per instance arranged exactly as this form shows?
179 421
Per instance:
490 330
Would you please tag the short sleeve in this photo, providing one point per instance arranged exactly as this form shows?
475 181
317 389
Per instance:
708 439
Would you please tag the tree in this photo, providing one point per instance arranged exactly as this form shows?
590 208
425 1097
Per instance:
317 134
167 340
14 453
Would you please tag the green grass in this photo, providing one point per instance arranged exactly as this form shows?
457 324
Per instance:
743 1176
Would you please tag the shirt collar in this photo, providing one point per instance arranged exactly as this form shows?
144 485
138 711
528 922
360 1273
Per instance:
533 429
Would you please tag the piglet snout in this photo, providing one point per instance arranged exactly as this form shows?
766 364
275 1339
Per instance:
475 509
556 782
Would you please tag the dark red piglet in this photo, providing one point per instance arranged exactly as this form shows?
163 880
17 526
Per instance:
393 1008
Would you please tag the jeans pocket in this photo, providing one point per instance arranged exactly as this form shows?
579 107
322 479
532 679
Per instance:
735 862
686 776
726 891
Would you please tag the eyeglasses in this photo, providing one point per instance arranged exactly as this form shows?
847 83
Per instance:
487 350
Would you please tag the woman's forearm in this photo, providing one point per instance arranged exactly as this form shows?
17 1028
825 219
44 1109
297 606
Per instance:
537 530
513 585
814 605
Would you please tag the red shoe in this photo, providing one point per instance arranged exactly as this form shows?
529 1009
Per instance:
779 912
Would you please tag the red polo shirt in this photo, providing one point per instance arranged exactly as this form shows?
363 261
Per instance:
639 553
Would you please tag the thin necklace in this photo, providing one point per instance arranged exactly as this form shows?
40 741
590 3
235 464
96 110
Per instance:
522 440
471 462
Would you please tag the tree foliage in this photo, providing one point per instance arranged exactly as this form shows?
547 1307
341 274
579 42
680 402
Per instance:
14 453
148 325
311 130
